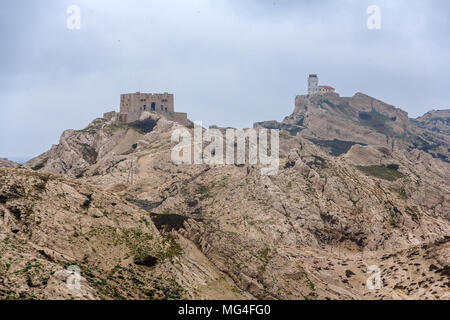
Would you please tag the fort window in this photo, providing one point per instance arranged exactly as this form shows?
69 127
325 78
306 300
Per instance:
162 108
145 107
153 107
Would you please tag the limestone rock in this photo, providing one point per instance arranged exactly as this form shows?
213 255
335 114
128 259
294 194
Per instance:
359 185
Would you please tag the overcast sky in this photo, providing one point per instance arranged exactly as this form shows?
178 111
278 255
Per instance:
229 63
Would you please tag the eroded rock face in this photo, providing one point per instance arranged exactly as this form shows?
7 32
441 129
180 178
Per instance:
334 122
108 241
101 141
359 118
348 195
436 121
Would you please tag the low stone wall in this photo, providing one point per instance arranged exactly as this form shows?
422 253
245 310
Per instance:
109 115
180 117
129 117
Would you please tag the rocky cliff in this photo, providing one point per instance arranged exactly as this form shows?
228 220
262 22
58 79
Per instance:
338 122
353 191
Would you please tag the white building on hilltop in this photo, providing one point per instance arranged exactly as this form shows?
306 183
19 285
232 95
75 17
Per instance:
314 88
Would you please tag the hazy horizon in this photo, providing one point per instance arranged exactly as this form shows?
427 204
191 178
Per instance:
228 63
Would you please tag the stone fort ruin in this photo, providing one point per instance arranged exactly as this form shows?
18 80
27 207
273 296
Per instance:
133 105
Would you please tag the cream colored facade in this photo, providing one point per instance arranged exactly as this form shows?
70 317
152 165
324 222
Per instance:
138 102
325 89
132 105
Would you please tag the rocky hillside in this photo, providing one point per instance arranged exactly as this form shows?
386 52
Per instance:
356 188
436 121
115 245
8 163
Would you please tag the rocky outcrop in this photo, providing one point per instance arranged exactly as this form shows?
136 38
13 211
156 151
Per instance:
8 163
358 119
333 122
435 120
100 142
434 127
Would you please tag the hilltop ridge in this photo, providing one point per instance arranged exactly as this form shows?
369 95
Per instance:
8 163
361 119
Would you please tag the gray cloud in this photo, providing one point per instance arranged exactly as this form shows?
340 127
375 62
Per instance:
228 62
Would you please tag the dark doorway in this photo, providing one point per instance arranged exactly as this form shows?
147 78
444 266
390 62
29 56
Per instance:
153 106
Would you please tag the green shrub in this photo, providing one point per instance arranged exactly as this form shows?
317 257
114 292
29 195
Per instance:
337 147
147 261
376 121
381 172
144 126
38 166
168 221
174 249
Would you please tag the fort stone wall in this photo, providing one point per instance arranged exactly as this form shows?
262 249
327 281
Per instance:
132 105
139 102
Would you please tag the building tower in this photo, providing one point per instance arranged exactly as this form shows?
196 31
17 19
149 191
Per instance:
313 82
